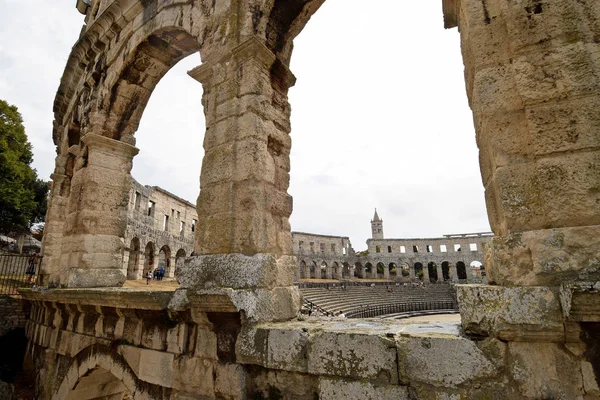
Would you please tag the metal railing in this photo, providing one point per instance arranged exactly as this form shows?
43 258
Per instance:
386 309
17 271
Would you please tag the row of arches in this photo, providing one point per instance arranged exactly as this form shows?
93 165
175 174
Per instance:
432 272
138 263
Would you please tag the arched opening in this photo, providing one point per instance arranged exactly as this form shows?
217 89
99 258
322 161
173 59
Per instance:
313 270
446 270
323 271
381 270
432 269
477 269
164 261
179 260
133 263
99 384
336 270
359 270
419 270
302 270
393 271
346 272
461 270
149 257
369 270
405 271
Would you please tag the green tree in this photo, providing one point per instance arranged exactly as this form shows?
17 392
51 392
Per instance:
22 194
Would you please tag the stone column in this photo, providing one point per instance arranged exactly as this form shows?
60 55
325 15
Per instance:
96 216
170 273
453 273
411 272
329 272
53 231
386 272
425 274
440 273
533 84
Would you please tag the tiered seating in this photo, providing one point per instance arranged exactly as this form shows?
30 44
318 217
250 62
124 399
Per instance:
355 298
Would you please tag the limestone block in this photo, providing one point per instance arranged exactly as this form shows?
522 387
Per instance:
552 75
580 302
590 383
97 277
193 375
287 349
333 389
156 367
353 355
545 257
545 370
511 313
251 345
206 343
70 344
230 381
441 360
132 356
236 271
495 90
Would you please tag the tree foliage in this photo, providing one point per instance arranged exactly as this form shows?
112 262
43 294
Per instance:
22 194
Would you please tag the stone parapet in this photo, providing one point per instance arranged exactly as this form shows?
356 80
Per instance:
511 313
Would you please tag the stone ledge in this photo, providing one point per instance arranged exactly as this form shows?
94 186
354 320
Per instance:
528 313
581 301
236 271
364 349
108 297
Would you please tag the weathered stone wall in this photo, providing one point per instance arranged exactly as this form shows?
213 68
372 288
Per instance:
13 313
154 349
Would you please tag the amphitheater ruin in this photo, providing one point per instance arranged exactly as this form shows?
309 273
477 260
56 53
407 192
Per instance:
231 330
449 258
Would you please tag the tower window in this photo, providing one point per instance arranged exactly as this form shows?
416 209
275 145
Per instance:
377 249
389 249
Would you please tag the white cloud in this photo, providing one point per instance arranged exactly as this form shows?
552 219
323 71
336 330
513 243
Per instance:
380 116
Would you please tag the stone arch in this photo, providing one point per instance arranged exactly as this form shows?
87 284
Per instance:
381 270
461 270
368 270
324 270
446 270
303 270
419 270
476 268
432 269
164 259
149 257
179 259
346 272
99 368
133 263
314 270
393 271
336 272
359 269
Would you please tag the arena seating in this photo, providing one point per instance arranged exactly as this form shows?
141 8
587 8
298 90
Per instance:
354 300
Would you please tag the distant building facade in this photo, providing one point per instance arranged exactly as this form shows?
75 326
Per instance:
160 230
457 257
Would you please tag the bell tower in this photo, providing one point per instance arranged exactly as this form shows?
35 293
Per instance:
376 226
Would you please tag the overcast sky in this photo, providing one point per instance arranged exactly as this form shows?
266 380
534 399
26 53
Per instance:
379 116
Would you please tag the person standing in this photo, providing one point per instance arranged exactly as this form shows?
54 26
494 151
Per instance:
148 277
31 267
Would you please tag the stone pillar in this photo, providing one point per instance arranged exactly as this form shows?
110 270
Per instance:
329 272
440 273
53 231
170 273
533 84
411 272
425 274
386 272
453 273
96 216
243 205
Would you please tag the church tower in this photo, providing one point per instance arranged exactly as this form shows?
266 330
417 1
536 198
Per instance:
377 226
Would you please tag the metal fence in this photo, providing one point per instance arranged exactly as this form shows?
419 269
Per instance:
385 309
17 271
